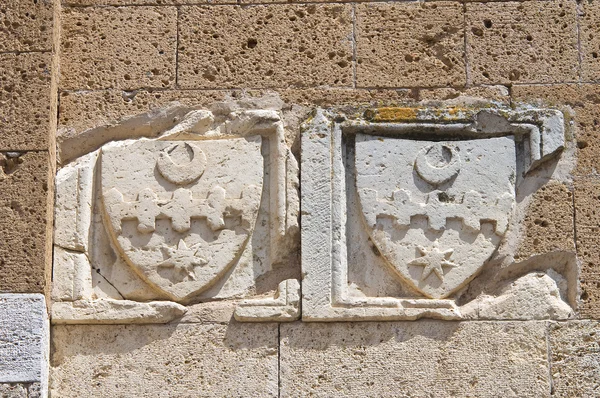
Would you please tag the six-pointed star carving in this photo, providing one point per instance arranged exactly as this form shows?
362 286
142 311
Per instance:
183 259
433 260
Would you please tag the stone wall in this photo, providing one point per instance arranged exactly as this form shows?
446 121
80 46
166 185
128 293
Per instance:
282 105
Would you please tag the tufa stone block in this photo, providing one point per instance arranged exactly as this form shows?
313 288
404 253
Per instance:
26 25
274 46
209 360
522 42
590 41
25 114
421 359
118 47
548 224
587 216
410 44
25 221
581 103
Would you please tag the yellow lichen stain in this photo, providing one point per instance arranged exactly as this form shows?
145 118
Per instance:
392 114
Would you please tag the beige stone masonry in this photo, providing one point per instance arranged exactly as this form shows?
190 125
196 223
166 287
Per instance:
409 44
548 224
210 360
590 41
417 359
522 42
24 221
118 47
574 358
275 46
26 25
25 114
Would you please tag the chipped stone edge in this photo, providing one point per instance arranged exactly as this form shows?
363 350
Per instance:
190 124
325 290
110 311
284 306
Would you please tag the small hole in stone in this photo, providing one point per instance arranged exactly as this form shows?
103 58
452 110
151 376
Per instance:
529 38
252 43
595 55
487 23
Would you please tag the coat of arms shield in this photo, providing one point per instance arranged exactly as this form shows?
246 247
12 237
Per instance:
181 212
436 210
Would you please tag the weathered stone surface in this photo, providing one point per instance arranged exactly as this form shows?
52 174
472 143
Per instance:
548 224
424 236
522 42
101 47
24 334
410 44
275 46
21 390
533 296
208 360
587 217
590 41
581 104
207 209
283 307
575 358
13 390
435 256
26 25
24 221
420 359
107 311
25 113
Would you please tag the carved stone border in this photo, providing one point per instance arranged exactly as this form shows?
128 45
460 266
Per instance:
73 303
324 264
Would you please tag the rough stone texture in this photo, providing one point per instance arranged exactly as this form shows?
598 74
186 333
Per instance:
210 360
590 41
533 296
410 44
24 221
275 46
582 106
418 359
24 334
26 25
575 359
548 224
522 42
21 390
25 112
126 47
587 216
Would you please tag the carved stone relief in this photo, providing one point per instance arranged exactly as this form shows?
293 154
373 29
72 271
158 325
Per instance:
145 227
404 208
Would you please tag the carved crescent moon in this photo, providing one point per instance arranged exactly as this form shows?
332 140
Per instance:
437 175
181 174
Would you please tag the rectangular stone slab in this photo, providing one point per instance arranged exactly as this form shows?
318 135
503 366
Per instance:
24 334
416 359
208 360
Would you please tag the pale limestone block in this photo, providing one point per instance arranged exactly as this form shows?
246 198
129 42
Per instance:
71 275
208 360
404 207
109 311
575 358
416 359
533 296
24 339
284 307
73 203
13 391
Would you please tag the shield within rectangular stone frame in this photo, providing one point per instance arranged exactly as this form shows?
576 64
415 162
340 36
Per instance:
323 198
